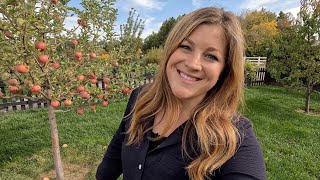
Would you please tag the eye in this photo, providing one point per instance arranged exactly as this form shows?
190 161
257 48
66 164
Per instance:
186 47
212 57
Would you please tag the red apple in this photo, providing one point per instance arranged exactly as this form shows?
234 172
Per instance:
43 59
55 104
100 96
54 1
126 90
1 94
84 24
12 82
80 88
8 34
106 80
80 77
78 54
74 42
92 75
21 68
93 55
13 89
94 81
80 110
105 103
67 102
79 21
115 63
85 95
93 107
56 65
35 89
41 46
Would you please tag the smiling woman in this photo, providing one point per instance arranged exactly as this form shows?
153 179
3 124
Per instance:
185 124
195 66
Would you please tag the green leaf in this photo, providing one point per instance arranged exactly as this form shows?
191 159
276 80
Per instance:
40 27
20 21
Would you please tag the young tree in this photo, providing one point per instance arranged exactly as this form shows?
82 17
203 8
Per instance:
43 60
296 55
130 34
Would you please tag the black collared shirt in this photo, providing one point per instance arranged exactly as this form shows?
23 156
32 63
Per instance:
165 162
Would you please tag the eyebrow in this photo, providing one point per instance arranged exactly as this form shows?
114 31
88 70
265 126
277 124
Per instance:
209 49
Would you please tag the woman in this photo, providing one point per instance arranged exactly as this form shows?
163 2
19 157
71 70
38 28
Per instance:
185 124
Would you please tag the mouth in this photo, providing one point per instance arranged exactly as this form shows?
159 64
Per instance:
187 76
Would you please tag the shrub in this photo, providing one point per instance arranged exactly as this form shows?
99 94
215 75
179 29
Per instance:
153 56
250 70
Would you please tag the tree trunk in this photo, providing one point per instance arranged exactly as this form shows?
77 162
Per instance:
308 94
55 141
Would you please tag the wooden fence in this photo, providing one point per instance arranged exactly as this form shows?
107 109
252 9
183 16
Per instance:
260 61
15 104
259 78
261 74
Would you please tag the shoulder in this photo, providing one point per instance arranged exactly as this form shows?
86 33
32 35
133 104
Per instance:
132 99
131 105
134 94
245 129
243 123
248 159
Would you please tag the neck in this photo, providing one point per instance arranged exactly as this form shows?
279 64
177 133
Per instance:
187 107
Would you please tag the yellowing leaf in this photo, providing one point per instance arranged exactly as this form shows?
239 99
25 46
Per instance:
105 56
20 21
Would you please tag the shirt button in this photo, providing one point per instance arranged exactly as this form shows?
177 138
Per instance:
140 166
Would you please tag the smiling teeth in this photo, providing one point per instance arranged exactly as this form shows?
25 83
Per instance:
187 77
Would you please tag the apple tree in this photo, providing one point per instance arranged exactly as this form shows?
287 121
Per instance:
42 59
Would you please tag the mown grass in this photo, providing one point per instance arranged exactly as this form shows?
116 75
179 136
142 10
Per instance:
290 140
25 151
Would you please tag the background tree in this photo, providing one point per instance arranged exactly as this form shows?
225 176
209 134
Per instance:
259 28
295 60
42 60
156 40
151 41
285 20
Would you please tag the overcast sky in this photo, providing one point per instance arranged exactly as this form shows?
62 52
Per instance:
157 11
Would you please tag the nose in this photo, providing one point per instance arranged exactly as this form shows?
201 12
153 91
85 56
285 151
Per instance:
194 62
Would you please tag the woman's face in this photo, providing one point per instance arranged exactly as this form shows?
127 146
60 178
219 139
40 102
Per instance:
195 66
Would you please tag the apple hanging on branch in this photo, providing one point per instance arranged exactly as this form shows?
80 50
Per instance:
43 60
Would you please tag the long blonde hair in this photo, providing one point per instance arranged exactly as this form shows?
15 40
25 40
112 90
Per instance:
212 128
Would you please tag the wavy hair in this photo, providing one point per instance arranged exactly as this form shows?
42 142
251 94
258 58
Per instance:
211 129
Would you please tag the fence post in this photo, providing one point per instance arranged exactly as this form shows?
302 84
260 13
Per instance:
30 104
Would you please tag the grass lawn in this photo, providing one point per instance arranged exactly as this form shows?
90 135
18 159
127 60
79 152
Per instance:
290 139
